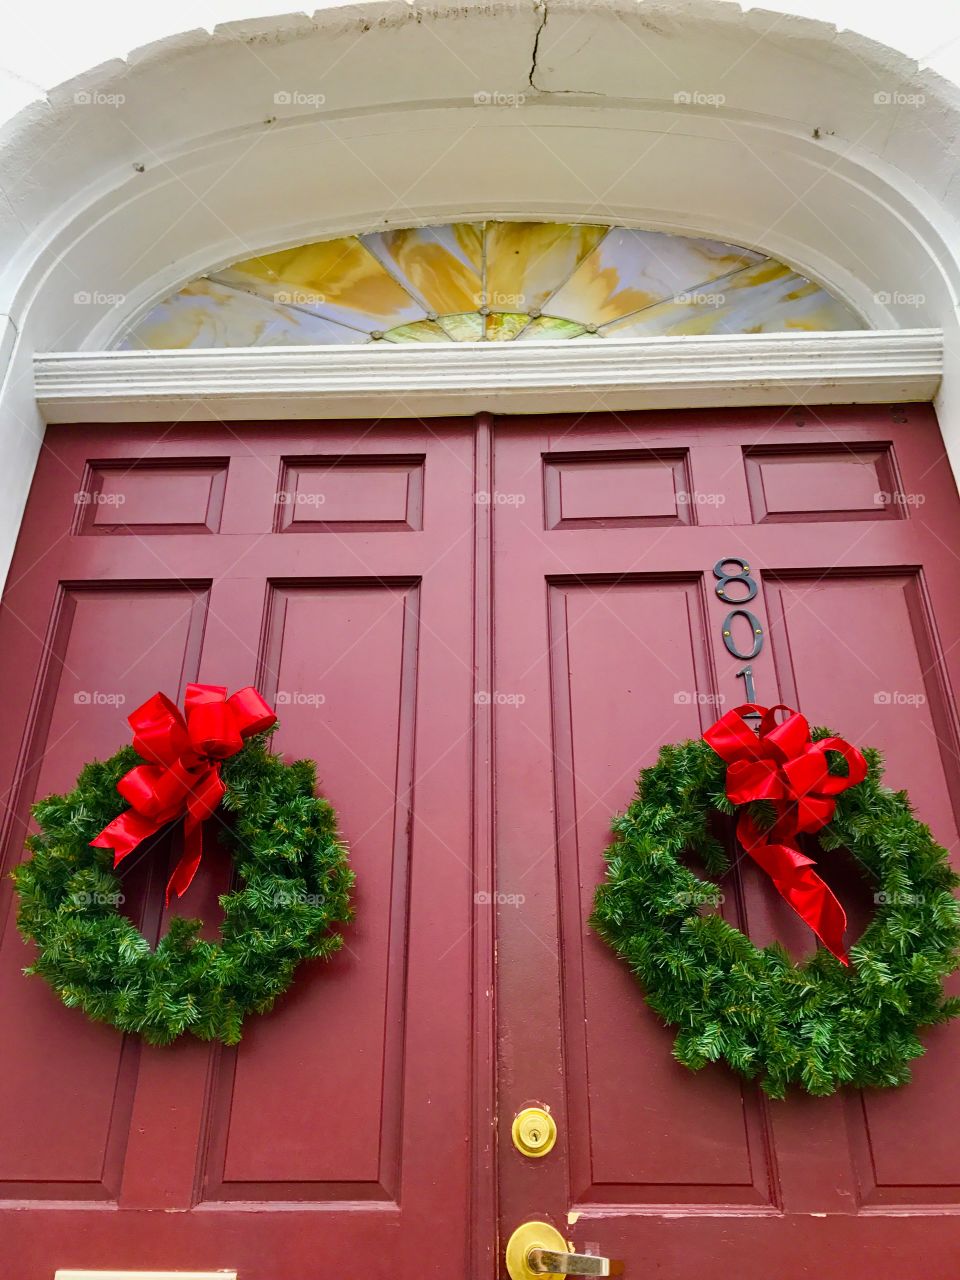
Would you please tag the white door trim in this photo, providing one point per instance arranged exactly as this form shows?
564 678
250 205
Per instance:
392 381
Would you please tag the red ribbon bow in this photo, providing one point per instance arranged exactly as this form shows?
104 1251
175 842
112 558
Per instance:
781 764
183 778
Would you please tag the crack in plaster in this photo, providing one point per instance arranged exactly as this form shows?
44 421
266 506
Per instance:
542 6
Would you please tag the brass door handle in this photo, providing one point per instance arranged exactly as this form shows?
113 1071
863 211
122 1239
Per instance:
537 1249
546 1262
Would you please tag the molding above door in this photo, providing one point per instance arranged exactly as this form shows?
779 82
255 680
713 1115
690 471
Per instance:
391 381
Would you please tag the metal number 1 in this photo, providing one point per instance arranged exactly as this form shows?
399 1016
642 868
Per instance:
746 674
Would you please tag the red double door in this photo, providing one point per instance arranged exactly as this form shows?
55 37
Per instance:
481 631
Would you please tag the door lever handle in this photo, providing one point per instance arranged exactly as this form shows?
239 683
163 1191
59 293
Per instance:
547 1262
538 1249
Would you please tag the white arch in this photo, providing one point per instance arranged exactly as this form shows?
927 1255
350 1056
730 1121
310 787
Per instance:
788 144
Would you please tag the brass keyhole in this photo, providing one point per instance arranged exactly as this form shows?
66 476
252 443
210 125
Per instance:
534 1131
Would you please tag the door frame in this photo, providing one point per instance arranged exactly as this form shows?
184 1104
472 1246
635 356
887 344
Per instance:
871 366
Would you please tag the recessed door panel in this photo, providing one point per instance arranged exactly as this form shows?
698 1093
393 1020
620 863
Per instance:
341 664
618 692
63 1136
858 650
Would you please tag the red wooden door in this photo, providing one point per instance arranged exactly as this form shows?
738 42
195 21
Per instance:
608 644
349 1133
334 569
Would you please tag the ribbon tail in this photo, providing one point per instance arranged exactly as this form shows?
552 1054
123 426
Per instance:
202 804
124 833
797 883
182 875
817 906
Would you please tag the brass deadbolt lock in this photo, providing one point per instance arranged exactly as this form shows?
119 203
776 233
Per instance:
534 1131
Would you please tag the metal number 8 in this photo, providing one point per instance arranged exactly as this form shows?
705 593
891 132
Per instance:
725 578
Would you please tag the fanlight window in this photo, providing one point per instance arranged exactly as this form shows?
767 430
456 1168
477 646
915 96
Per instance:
494 282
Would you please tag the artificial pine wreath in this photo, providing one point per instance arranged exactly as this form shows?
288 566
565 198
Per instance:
293 886
819 1024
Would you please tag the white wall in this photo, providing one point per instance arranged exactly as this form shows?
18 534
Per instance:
822 146
47 42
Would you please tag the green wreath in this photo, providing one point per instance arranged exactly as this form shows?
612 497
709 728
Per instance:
294 885
817 1024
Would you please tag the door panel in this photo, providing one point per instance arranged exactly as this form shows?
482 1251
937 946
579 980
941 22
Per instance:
846 522
619 1152
266 1150
334 569
76 717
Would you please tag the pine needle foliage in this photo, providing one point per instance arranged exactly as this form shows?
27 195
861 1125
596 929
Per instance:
816 1025
293 886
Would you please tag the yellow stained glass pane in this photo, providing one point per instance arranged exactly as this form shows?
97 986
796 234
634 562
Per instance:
629 270
467 327
419 331
527 261
502 327
442 267
337 279
207 314
766 298
550 327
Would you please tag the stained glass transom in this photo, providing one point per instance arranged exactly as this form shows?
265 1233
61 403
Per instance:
491 282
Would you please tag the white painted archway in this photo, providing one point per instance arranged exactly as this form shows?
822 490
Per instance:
825 150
